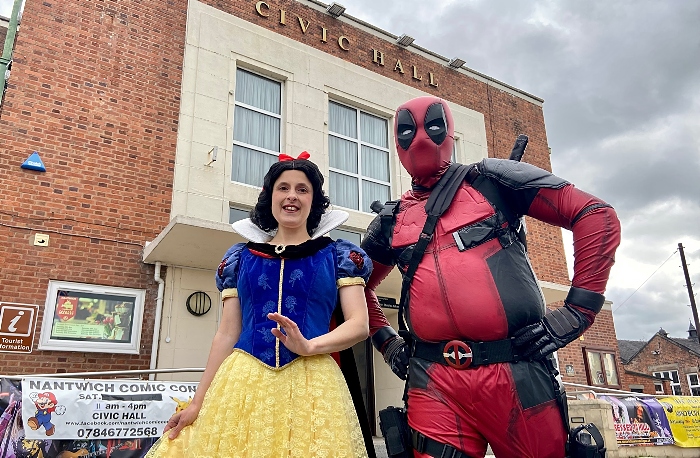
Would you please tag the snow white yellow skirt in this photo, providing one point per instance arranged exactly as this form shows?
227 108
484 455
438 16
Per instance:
250 410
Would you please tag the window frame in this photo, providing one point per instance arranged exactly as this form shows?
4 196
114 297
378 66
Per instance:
280 116
46 342
601 351
359 142
671 383
691 386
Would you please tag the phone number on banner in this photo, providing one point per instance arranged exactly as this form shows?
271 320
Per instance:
109 433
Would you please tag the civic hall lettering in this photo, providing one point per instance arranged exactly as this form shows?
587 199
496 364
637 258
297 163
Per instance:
264 10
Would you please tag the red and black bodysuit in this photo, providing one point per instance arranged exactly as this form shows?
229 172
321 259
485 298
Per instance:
475 284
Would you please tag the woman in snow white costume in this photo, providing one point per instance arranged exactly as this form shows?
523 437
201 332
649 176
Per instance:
270 387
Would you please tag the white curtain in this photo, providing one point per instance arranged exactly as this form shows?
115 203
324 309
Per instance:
253 128
375 163
344 190
256 129
250 166
257 91
343 154
374 130
371 192
342 120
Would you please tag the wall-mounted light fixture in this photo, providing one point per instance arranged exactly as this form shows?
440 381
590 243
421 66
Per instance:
198 303
404 40
335 9
456 63
211 154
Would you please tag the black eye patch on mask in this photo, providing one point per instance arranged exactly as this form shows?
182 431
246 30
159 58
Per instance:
405 128
435 123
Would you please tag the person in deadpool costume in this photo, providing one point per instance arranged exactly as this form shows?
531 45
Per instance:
478 371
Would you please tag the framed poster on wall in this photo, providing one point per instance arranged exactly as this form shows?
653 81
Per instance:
92 318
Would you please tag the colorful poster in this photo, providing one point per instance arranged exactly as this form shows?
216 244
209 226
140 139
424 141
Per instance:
639 421
59 408
683 413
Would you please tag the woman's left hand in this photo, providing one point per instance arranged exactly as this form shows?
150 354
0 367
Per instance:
291 337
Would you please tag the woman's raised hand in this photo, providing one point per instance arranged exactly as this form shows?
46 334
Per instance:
290 335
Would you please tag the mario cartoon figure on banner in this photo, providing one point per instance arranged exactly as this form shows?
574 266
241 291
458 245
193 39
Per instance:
46 403
477 349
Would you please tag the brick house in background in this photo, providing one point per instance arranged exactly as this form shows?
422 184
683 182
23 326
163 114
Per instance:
4 23
662 365
128 103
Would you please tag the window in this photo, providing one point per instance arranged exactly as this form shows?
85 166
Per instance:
236 214
694 384
675 382
600 365
358 147
256 127
92 318
659 388
354 237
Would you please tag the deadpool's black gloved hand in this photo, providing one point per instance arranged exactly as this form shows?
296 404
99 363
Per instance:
556 329
394 349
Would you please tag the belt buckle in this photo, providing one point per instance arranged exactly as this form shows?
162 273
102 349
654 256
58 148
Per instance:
457 354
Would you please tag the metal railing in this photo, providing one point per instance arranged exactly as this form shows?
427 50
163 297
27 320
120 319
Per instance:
106 373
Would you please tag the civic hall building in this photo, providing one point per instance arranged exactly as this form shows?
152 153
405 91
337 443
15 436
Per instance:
155 122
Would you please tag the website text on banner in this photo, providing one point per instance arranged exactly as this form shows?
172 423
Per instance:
100 409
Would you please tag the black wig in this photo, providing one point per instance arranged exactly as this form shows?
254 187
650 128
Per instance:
261 214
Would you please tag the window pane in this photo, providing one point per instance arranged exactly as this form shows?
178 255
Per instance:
610 370
373 130
353 237
677 390
257 91
250 166
659 388
344 190
674 376
375 163
92 317
343 154
342 120
371 192
693 379
234 214
597 377
695 391
256 129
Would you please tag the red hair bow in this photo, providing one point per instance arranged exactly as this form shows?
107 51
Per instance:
285 157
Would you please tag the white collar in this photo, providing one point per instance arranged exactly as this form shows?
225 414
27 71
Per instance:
329 221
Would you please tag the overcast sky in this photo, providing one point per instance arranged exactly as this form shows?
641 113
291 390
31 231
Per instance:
621 84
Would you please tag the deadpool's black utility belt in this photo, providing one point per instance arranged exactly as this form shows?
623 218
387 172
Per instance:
463 354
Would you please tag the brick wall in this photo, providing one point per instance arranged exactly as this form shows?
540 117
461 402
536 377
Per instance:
95 91
662 354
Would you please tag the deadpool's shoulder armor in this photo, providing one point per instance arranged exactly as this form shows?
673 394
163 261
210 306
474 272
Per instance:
519 175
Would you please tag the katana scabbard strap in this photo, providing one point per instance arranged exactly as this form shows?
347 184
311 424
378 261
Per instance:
586 299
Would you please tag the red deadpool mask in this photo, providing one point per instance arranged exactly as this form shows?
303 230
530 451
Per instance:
424 138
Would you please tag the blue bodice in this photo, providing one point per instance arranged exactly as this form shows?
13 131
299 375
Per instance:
303 289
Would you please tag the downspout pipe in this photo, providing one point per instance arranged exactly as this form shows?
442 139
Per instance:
6 57
156 324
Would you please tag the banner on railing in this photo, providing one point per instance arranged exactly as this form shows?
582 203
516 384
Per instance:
57 408
683 414
639 421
